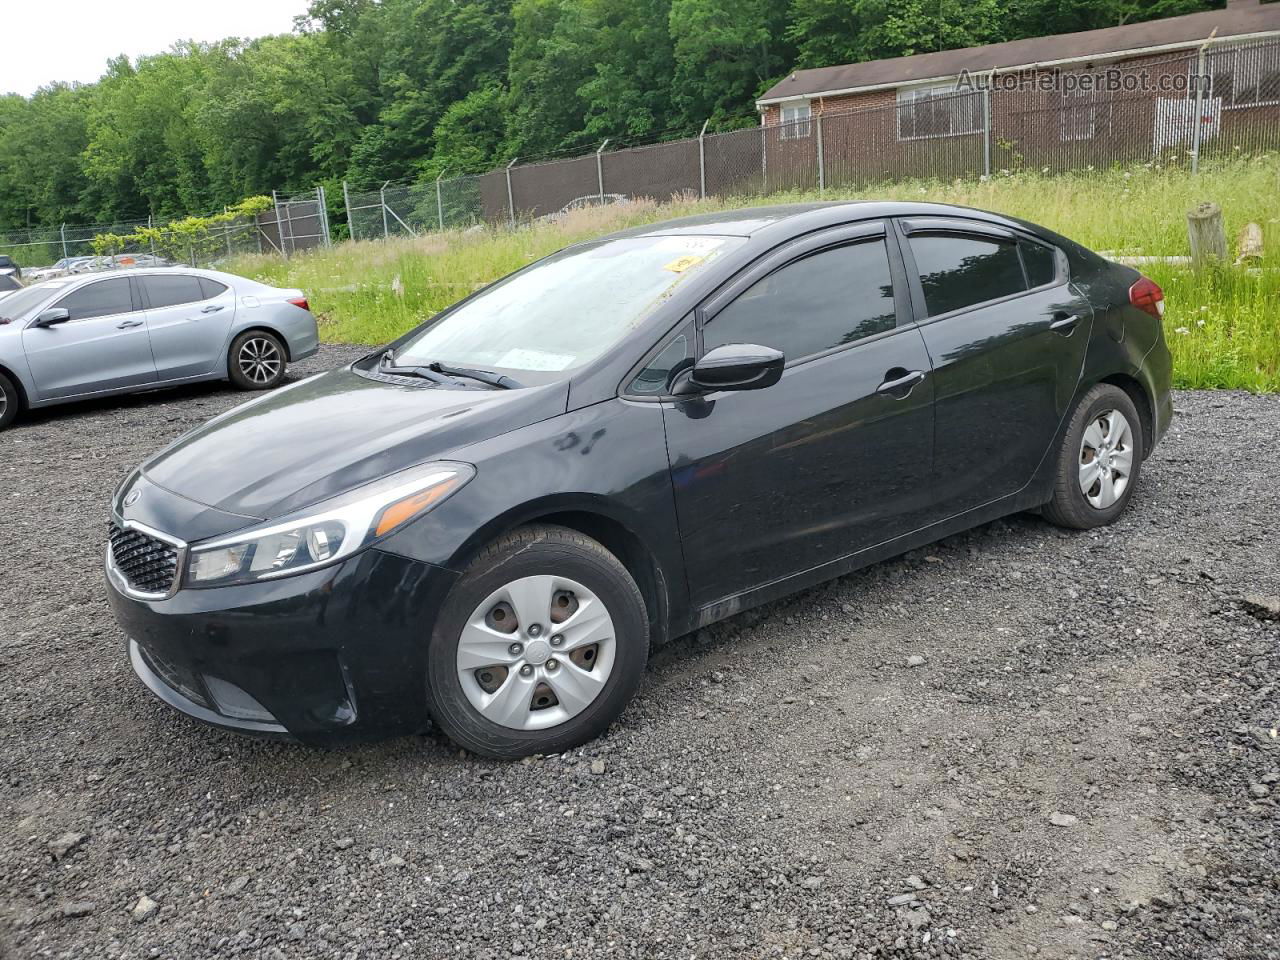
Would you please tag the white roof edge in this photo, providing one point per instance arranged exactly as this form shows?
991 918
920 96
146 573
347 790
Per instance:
1134 51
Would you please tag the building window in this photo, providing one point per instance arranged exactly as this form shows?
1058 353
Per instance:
795 119
1079 115
937 112
1244 76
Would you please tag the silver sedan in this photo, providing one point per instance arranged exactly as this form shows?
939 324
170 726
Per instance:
90 336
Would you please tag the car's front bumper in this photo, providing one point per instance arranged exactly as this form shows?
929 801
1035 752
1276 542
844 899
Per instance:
335 655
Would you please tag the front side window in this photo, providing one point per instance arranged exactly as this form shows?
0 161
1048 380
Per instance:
172 289
795 119
828 299
565 311
937 112
959 271
102 298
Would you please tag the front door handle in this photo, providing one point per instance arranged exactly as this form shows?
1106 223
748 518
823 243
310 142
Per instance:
898 382
128 323
212 308
1065 325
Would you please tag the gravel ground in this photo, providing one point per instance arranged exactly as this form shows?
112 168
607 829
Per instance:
1017 742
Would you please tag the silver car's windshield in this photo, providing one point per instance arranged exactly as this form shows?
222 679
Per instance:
566 310
15 306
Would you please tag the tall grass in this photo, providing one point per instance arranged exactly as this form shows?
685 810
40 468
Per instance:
1223 325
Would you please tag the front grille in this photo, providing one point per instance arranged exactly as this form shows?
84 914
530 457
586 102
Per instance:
148 564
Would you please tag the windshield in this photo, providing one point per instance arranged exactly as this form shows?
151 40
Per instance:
14 306
566 310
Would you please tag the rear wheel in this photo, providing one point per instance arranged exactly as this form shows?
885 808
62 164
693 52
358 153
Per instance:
256 361
10 401
1099 461
539 646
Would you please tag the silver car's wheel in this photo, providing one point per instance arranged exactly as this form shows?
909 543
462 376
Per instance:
536 652
260 360
1106 459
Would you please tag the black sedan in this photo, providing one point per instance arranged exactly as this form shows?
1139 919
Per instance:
489 521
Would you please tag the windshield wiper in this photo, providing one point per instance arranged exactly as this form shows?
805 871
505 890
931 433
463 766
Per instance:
483 376
424 373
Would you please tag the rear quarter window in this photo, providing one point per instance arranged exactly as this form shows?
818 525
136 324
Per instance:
1041 263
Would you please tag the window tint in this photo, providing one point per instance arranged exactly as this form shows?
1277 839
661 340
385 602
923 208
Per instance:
1041 263
656 376
823 301
99 299
211 288
958 271
9 282
170 290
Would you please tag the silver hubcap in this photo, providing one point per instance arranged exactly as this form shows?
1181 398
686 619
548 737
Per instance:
260 360
4 403
1106 459
536 652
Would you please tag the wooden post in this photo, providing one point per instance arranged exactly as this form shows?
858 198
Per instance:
1207 236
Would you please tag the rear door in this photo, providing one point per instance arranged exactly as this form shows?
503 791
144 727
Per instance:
1007 335
190 321
103 346
834 457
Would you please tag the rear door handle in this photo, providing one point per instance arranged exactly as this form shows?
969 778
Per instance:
212 308
901 383
128 323
1065 325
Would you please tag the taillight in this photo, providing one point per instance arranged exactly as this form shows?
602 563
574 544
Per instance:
1147 295
301 302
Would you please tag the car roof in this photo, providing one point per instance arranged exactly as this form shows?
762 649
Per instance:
801 217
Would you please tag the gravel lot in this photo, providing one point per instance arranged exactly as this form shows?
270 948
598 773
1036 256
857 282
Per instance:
1084 764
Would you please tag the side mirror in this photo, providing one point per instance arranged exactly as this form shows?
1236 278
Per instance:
733 366
53 317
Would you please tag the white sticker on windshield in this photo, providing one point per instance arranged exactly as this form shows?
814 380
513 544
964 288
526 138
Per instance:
690 245
522 359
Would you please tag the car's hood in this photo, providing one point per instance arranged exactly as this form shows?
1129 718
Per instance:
324 436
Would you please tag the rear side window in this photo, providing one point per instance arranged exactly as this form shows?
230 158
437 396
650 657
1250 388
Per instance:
958 272
1041 263
172 289
827 299
100 299
211 288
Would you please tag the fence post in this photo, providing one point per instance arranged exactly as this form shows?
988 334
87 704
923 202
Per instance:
600 167
226 231
764 158
153 239
1198 119
323 199
279 226
822 175
382 201
64 241
986 127
439 200
702 157
346 202
511 201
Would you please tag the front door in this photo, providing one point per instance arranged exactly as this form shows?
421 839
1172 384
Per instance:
1007 334
833 458
104 346
190 322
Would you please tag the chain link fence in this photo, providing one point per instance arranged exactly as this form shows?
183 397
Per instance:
1221 99
291 225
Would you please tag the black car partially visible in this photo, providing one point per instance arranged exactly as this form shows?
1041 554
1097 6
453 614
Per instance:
8 267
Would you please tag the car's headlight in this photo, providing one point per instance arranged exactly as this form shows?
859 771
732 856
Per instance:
324 533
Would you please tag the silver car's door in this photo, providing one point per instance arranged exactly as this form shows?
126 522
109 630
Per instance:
189 318
103 346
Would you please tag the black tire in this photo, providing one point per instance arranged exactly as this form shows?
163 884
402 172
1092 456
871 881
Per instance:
243 374
1070 507
10 401
533 551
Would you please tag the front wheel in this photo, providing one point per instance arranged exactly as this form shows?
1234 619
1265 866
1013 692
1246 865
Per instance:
1099 461
256 360
9 401
539 646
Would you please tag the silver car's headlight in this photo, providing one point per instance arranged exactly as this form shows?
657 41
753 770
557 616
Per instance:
324 533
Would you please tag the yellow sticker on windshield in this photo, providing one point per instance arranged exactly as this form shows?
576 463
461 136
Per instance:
683 264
